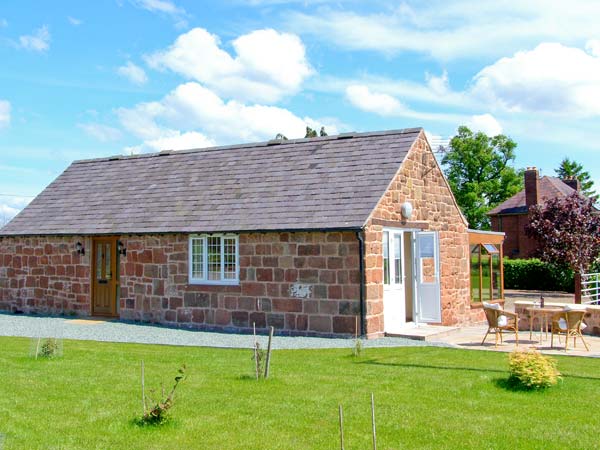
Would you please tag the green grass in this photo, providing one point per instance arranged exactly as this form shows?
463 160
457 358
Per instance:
425 398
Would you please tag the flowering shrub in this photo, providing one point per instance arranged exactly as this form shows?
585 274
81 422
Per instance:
532 370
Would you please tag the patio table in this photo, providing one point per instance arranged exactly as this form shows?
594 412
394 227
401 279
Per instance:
545 313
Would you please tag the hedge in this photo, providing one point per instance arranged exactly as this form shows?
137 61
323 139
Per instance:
533 274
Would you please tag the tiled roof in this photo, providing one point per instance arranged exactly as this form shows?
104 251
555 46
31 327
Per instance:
332 182
549 187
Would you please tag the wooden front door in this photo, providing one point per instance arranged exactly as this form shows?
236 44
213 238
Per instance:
104 276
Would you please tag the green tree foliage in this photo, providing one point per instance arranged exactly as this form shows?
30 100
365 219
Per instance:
310 133
567 231
480 174
572 169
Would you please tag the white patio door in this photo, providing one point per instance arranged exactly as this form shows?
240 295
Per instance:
394 306
428 277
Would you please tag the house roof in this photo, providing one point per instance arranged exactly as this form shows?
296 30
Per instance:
549 187
331 182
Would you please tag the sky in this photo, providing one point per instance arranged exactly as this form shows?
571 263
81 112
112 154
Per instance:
82 80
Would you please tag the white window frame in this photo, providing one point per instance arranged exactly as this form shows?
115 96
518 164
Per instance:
204 279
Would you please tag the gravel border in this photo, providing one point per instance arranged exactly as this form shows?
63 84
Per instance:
117 331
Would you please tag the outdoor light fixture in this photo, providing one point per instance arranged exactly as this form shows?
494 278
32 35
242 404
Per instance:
79 248
406 210
121 248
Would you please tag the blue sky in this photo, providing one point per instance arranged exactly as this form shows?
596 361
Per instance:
89 79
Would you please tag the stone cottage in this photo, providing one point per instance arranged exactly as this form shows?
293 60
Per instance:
336 235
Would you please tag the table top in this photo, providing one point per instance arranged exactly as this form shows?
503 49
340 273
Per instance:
545 309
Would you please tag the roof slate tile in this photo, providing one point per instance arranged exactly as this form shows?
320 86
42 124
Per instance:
320 183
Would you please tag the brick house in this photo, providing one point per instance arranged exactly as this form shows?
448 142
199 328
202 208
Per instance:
311 236
512 215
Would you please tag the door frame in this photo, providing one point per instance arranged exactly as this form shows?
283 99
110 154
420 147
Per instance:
115 260
401 232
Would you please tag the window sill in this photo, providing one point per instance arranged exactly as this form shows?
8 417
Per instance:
213 283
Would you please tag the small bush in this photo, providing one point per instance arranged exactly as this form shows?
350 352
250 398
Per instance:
532 370
533 274
46 348
157 413
358 348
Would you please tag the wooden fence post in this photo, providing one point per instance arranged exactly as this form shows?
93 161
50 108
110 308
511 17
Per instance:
268 363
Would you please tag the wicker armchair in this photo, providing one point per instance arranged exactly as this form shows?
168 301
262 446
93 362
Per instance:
569 324
499 321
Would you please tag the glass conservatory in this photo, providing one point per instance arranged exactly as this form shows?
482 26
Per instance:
485 256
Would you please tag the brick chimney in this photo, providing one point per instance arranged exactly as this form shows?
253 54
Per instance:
532 186
573 183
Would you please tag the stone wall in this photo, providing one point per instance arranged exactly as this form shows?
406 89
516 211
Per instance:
301 283
44 275
591 318
421 182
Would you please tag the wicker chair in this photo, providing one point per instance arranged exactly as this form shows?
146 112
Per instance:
569 324
499 321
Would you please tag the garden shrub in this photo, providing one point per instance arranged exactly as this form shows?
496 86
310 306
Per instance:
157 412
46 348
533 274
532 370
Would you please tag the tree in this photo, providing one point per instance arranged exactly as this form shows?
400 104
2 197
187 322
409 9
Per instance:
568 233
479 173
572 169
310 133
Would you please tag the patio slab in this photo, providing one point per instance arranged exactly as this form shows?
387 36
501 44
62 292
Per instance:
471 337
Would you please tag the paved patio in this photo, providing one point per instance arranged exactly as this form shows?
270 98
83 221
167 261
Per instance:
471 337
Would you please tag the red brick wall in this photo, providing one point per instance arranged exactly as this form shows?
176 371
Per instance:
44 275
421 182
516 243
47 275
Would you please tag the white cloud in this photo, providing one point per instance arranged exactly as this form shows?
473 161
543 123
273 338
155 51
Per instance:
363 98
173 140
434 90
10 206
101 132
3 23
165 7
4 113
453 30
551 78
386 105
133 73
74 21
267 67
38 41
193 116
593 47
486 123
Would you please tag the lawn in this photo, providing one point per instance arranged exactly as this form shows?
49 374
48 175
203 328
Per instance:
425 398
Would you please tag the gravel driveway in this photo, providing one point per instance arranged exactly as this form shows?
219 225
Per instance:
116 331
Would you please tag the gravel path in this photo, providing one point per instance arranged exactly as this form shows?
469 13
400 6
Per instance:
115 331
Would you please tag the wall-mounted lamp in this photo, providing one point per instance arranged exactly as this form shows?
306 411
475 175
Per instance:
121 248
406 210
79 248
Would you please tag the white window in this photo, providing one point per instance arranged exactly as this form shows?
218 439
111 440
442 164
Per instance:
214 259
